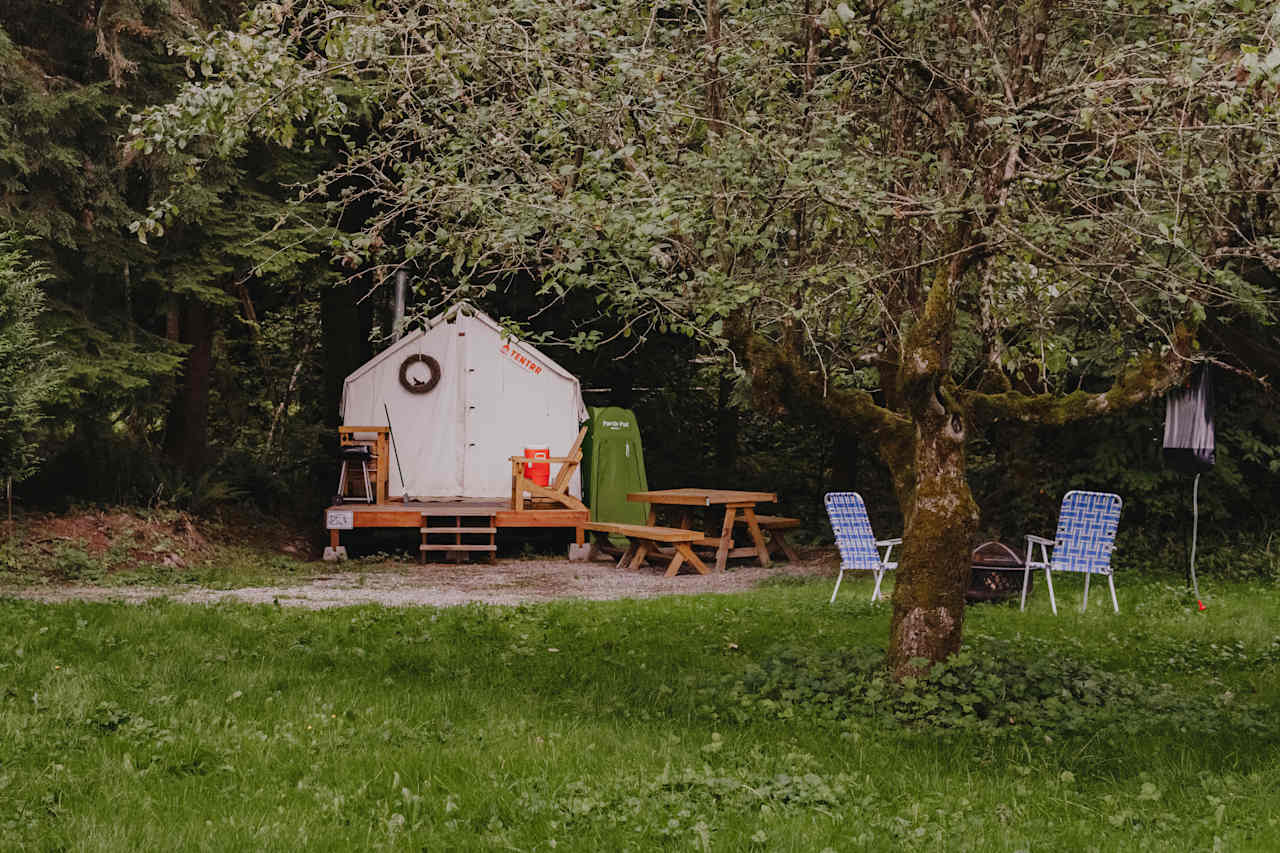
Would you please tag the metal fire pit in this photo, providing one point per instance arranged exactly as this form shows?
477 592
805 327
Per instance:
997 573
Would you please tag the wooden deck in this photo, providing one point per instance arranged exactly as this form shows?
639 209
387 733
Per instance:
453 527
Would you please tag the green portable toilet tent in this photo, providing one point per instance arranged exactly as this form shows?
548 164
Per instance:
613 465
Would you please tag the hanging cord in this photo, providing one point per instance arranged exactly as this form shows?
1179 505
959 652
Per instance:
1195 523
395 451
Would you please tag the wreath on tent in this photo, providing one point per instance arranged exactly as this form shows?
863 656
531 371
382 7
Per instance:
415 385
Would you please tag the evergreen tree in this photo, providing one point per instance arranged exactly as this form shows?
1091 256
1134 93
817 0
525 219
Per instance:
171 358
29 375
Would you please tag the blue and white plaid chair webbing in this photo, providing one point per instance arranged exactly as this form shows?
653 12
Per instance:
1086 532
853 533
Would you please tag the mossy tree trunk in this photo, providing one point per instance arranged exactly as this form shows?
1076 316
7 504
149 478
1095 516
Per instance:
933 571
920 431
939 511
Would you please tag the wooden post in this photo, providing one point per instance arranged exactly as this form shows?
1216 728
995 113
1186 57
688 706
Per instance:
757 537
640 555
517 485
726 537
384 468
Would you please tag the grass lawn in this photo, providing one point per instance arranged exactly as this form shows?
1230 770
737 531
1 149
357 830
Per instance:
746 722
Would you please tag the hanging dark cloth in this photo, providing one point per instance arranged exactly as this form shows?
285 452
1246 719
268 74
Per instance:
1188 424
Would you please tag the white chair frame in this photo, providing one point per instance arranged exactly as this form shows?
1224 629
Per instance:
886 564
1040 556
855 528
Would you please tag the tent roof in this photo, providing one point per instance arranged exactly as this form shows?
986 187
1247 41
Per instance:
465 310
467 313
404 343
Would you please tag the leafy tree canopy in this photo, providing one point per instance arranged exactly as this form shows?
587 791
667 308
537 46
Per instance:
914 217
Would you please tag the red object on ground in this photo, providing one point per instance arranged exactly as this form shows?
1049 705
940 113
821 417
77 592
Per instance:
1201 603
538 472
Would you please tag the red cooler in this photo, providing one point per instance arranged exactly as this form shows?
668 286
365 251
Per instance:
538 472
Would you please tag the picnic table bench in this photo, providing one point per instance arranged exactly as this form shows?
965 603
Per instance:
775 526
647 540
737 505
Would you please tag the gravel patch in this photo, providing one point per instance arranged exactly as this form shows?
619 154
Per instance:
445 585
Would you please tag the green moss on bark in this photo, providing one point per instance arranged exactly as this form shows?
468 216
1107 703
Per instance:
1148 378
783 380
941 519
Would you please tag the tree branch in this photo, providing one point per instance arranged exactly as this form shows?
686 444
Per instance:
1148 378
781 379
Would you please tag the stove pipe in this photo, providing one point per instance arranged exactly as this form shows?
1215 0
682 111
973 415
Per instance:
401 292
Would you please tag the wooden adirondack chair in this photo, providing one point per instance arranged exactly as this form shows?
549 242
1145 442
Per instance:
558 491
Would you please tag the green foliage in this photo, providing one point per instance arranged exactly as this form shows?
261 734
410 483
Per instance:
62 183
68 68
1020 474
992 687
29 375
812 195
596 160
202 495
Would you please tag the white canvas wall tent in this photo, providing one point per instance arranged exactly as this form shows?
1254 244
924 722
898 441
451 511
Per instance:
463 399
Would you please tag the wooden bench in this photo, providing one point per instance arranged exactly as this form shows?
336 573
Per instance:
646 541
775 526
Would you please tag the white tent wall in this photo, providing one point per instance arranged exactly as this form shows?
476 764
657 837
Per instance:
495 397
427 427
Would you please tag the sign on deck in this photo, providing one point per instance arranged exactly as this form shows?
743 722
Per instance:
339 519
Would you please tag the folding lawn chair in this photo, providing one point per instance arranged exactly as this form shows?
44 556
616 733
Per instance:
859 548
1084 542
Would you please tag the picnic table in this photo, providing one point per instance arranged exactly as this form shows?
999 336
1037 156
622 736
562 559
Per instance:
733 501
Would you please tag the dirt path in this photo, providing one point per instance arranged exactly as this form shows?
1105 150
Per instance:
444 585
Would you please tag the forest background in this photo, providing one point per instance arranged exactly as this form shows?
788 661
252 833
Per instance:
201 367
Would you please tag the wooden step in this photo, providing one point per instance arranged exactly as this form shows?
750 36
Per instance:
457 529
456 547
